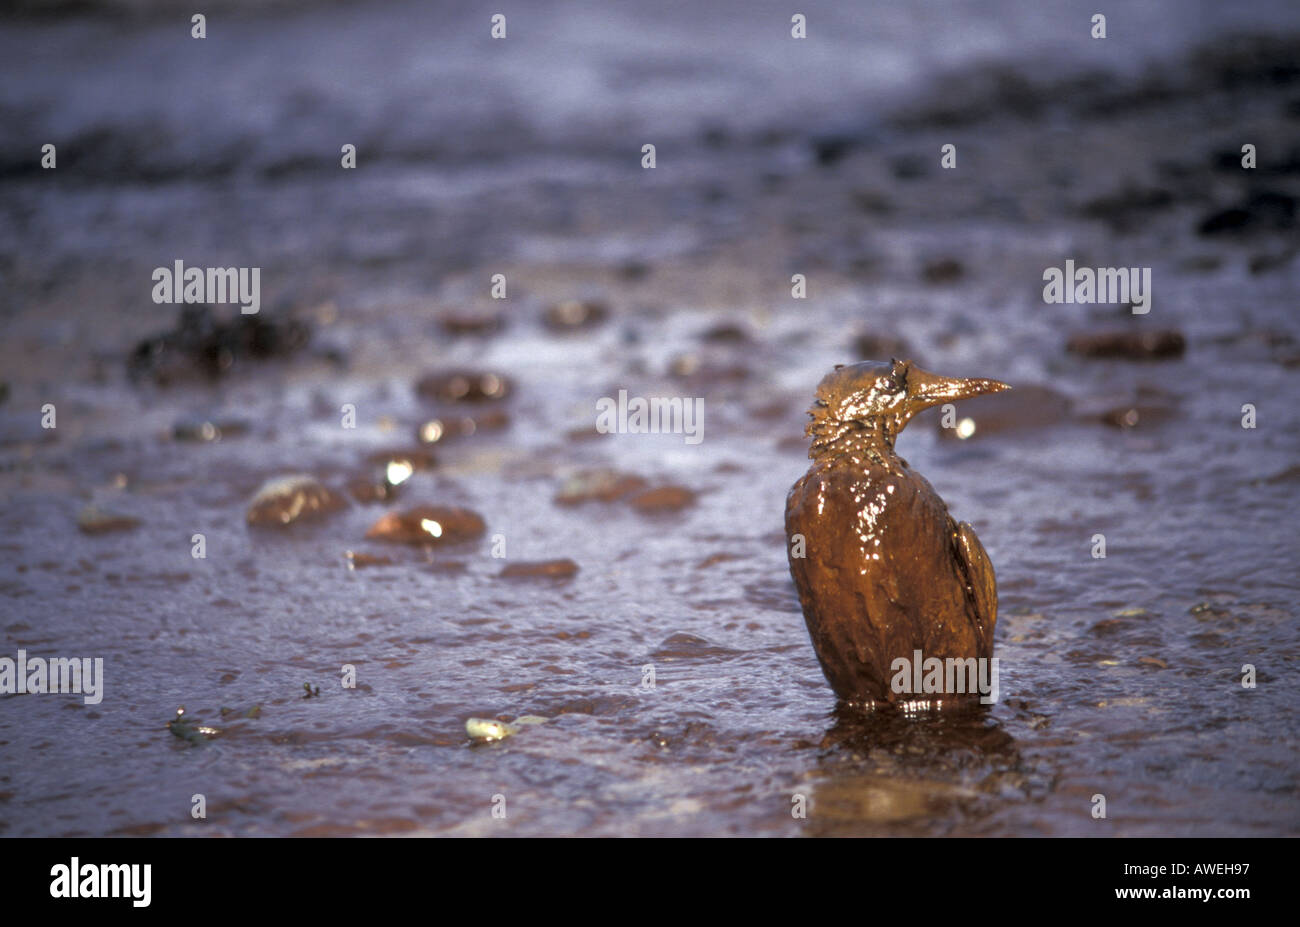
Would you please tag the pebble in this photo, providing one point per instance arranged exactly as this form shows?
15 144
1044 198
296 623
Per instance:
540 569
464 386
663 499
204 345
429 524
93 520
598 486
447 427
1156 344
1263 210
357 561
470 323
574 315
287 499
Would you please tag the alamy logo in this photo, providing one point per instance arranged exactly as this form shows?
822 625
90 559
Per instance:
78 880
953 676
181 284
657 415
1105 285
79 675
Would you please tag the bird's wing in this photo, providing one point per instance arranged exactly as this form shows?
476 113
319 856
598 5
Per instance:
980 581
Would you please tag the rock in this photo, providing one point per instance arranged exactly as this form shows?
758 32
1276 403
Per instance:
1153 344
481 324
204 430
358 561
706 370
464 386
828 150
598 486
1027 407
1262 211
909 167
943 270
204 346
1131 415
727 333
367 490
1264 262
663 499
447 427
396 467
429 524
540 569
574 315
93 520
873 346
286 499
1125 210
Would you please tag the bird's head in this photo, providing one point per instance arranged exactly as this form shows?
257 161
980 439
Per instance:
880 399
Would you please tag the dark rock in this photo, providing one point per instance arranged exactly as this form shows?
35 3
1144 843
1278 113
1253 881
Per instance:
874 346
909 167
1125 209
1262 211
1131 415
943 270
415 458
873 202
634 270
204 346
1154 344
358 561
727 333
1266 262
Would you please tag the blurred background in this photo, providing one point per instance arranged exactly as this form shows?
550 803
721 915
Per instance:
522 157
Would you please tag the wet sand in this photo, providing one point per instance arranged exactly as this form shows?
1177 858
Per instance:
1120 676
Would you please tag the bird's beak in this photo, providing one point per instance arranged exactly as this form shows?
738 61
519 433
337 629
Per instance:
925 389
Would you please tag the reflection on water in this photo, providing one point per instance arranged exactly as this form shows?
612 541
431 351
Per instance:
891 772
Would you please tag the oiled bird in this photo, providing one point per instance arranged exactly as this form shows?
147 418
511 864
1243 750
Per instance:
882 569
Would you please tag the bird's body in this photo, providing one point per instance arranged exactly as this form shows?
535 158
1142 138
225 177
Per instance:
882 570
